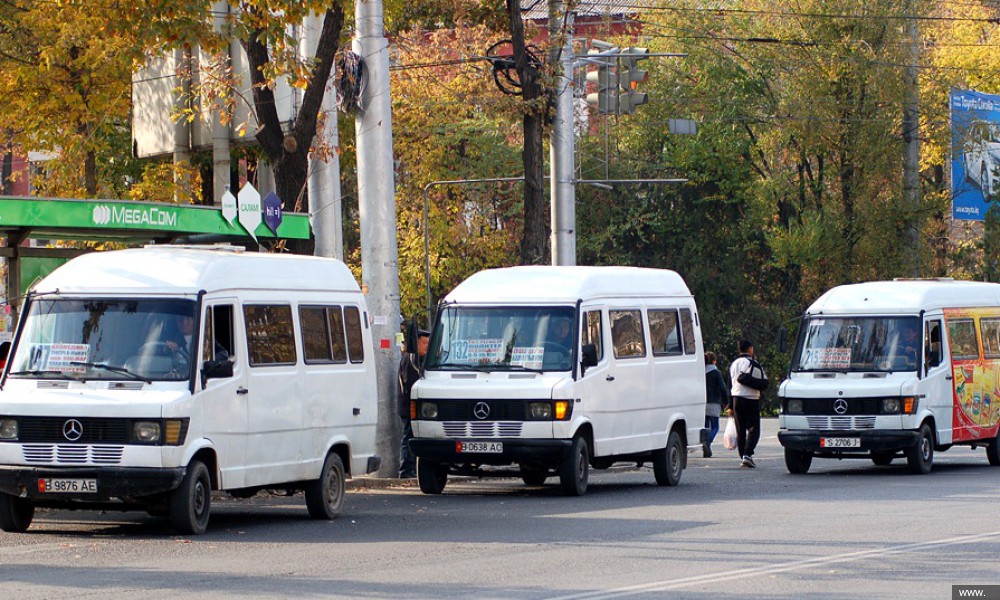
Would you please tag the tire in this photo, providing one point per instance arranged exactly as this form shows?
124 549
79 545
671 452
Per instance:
797 461
431 476
920 458
574 473
668 463
534 476
15 513
325 496
883 459
191 503
993 451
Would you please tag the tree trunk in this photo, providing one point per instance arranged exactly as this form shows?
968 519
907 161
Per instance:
534 241
6 172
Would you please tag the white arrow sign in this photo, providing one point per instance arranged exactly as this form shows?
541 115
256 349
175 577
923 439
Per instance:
229 206
248 205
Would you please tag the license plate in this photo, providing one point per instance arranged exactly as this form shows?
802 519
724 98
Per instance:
840 442
479 447
67 486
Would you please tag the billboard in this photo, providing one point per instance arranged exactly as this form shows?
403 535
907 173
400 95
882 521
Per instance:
975 153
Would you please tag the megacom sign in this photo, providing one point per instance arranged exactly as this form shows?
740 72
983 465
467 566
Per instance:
123 215
975 153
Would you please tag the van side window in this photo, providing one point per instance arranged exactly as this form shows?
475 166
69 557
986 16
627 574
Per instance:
355 345
270 334
218 333
962 335
991 337
932 344
315 335
335 316
664 333
592 332
626 333
687 330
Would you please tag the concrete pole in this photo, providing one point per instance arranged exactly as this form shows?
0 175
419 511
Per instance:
563 144
377 207
324 174
911 139
221 164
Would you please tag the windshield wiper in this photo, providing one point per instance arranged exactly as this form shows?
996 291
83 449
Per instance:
112 368
450 366
47 373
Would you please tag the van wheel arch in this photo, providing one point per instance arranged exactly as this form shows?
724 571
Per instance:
208 458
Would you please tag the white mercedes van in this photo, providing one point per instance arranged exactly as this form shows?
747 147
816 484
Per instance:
891 369
554 370
147 378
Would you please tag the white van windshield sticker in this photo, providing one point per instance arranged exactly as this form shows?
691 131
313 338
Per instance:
475 351
58 357
827 358
529 357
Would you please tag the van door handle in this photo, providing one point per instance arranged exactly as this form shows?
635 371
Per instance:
609 378
242 391
947 377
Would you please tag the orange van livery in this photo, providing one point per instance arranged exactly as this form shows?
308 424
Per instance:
976 372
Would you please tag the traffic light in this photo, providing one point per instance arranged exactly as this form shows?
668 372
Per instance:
629 78
605 99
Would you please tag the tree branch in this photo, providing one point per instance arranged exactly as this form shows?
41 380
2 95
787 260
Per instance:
312 100
269 133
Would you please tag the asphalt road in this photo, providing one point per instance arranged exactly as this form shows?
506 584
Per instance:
846 530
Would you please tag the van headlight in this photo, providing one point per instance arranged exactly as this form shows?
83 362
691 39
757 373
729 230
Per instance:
540 411
794 406
8 429
890 406
428 410
146 432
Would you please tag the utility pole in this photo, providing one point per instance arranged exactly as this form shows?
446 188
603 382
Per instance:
911 139
324 174
563 143
377 205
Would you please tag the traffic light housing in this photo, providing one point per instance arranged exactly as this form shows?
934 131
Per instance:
629 78
605 99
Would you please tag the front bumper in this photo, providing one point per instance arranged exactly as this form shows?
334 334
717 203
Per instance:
871 441
112 482
514 451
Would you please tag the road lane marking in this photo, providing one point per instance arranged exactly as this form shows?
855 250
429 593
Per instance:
796 565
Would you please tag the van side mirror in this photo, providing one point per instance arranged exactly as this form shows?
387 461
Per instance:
782 339
216 369
588 356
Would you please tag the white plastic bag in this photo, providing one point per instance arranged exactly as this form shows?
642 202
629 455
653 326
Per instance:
729 437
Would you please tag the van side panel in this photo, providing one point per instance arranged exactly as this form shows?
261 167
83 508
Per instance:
974 344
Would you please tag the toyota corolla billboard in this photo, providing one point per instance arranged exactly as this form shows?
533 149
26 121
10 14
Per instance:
975 153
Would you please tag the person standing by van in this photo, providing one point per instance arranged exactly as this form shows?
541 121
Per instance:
409 373
717 400
748 380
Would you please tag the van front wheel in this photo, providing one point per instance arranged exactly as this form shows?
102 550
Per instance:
668 463
15 513
797 461
920 458
191 503
325 496
574 473
431 476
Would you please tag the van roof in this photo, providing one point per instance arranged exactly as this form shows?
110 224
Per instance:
187 270
547 284
906 296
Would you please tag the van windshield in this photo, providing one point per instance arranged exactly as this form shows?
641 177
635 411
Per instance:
106 339
504 338
881 344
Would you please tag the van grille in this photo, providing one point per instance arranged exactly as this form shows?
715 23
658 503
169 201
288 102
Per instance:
50 454
841 423
487 429
95 430
499 410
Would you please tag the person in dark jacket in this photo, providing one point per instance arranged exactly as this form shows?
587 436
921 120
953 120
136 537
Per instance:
409 373
716 402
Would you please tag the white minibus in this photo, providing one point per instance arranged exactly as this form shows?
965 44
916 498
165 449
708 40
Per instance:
892 369
554 370
145 379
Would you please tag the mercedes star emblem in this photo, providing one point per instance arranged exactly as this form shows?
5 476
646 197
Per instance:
72 430
840 406
481 410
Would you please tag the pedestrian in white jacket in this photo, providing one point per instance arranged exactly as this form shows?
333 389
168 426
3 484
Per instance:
748 380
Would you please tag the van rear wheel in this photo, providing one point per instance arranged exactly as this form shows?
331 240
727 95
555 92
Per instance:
798 461
993 450
920 458
15 513
574 473
431 476
668 463
191 503
325 496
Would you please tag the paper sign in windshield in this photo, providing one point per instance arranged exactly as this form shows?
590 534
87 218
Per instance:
529 357
58 357
478 351
828 358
